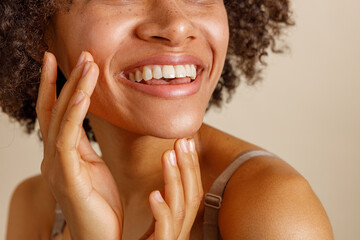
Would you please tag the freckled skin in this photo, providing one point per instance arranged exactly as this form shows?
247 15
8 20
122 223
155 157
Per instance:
110 33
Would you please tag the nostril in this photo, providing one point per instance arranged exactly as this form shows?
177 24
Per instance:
157 37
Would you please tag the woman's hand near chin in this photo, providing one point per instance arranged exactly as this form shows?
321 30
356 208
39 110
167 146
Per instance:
78 178
175 215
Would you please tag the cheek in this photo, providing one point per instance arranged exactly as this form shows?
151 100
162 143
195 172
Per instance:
102 37
93 34
215 30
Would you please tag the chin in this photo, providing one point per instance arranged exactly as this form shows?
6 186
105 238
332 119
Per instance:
182 122
181 127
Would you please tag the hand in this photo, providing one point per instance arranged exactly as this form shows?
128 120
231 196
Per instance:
183 193
78 178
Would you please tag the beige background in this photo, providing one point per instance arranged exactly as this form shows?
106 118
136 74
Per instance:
307 111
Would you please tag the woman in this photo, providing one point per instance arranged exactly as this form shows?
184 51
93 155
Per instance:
150 68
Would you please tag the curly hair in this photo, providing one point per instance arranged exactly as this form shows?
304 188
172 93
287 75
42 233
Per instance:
254 25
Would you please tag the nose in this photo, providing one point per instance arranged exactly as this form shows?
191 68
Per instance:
166 23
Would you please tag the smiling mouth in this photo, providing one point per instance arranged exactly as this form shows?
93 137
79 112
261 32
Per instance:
163 75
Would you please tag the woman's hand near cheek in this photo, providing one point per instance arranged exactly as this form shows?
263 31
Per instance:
175 215
78 178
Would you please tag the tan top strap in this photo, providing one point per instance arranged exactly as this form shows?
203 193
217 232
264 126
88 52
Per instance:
59 223
213 198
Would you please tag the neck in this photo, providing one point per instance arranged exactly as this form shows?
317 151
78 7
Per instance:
134 160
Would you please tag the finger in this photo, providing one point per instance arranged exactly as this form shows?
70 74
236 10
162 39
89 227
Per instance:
47 93
190 185
70 129
197 166
163 219
71 124
62 102
174 193
66 144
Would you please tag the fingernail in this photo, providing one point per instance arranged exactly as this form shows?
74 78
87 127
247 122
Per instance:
158 197
79 97
81 58
184 145
86 68
192 145
173 158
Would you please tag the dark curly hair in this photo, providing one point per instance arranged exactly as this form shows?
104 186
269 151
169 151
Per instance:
254 25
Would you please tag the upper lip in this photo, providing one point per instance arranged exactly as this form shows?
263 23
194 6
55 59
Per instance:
166 60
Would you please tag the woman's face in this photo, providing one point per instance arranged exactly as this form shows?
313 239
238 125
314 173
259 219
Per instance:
121 33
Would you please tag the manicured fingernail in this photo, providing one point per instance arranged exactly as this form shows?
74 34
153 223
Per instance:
173 158
86 68
81 58
79 97
192 145
184 145
158 197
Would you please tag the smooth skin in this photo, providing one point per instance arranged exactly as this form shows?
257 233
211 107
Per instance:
113 196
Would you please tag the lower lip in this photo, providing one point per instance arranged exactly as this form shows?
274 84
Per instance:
167 90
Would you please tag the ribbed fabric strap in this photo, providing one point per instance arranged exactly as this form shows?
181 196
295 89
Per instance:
213 198
59 223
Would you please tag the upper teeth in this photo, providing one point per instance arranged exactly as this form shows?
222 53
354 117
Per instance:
165 71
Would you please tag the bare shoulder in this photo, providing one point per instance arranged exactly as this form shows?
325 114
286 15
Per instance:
267 199
30 211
